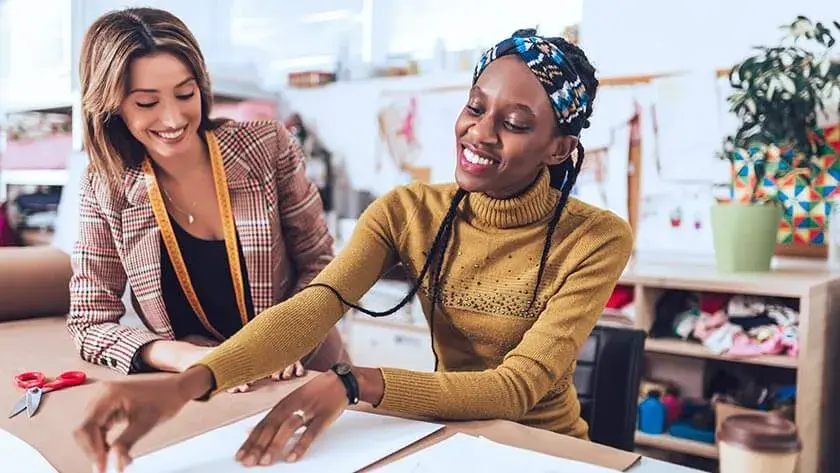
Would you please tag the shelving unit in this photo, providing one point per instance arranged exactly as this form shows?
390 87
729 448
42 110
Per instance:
818 292
228 95
47 173
406 344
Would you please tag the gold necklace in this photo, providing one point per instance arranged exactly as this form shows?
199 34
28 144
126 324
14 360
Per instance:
189 215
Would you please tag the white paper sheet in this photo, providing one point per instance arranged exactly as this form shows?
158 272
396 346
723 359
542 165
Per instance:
463 452
20 454
690 133
354 441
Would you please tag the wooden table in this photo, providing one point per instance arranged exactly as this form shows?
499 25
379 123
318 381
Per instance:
43 344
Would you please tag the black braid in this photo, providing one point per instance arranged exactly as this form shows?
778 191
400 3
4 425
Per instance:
563 176
571 172
436 252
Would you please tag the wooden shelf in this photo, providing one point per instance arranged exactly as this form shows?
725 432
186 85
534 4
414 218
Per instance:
695 350
676 444
36 177
32 237
788 278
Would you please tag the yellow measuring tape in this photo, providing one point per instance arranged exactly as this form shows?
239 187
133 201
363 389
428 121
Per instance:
228 227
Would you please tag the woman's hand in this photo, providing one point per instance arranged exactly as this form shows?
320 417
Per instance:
316 405
139 404
291 371
295 369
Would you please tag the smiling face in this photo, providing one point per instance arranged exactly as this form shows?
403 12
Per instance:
507 133
162 108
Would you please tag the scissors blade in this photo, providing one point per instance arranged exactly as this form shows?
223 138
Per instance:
19 407
33 400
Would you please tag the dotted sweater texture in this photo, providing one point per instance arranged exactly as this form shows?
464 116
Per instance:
495 360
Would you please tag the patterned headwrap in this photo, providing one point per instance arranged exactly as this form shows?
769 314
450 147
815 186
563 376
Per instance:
555 72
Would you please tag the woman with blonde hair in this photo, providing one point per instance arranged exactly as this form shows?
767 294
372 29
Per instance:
209 222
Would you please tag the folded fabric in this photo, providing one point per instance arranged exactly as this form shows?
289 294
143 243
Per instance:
746 346
745 306
723 338
749 323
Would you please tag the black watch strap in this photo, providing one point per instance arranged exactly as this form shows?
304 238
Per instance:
351 385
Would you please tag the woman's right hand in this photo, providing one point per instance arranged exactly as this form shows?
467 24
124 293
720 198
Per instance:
139 404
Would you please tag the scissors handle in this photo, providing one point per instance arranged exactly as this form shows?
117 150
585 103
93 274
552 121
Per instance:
36 379
30 379
66 380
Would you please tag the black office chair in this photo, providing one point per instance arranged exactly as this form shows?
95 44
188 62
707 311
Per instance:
609 370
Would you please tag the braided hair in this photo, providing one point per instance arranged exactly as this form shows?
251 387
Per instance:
562 177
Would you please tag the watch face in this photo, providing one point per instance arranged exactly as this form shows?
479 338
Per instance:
342 369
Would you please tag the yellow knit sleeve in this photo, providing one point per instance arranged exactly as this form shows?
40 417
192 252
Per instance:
287 331
545 353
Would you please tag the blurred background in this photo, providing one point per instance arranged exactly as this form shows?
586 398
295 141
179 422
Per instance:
349 74
372 89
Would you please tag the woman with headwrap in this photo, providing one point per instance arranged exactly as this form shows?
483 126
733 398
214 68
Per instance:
511 271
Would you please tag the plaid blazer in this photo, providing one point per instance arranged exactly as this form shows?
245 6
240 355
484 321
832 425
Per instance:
278 214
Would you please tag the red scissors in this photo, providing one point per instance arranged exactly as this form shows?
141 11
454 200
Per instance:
36 385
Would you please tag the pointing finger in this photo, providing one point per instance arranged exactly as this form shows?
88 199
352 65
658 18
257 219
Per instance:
136 428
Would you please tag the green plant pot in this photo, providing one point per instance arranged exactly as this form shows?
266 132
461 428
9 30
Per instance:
745 236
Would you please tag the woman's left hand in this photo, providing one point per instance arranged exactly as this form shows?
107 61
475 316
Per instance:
316 405
294 370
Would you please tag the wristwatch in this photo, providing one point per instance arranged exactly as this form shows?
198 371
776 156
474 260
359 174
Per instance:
351 385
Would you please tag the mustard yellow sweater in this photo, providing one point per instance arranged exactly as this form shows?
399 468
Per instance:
494 363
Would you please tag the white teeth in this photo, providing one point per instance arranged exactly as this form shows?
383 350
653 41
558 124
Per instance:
170 135
476 159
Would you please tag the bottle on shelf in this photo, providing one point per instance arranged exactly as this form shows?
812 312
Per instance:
673 405
652 414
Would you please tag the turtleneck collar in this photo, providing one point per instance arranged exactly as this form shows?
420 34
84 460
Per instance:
529 207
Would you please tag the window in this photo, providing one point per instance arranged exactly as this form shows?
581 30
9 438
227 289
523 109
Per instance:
418 27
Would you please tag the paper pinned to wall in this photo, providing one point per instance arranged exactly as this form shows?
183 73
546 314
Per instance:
415 137
603 179
464 452
689 130
354 441
20 454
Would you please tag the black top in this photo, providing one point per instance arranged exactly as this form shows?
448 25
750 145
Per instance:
209 270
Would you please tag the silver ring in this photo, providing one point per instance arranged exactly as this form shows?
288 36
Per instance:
300 414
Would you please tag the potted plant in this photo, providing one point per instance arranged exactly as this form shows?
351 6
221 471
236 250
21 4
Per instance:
781 163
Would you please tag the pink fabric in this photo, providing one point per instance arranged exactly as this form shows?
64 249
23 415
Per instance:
44 153
7 233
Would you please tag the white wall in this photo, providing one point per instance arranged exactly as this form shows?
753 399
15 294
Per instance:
651 36
344 117
34 56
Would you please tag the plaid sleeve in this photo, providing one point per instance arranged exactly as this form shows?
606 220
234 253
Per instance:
96 288
301 212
